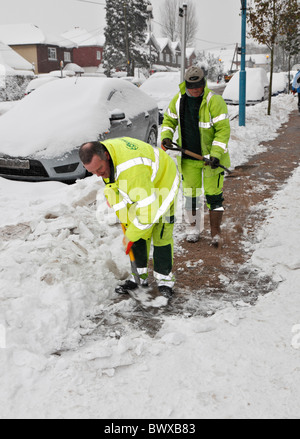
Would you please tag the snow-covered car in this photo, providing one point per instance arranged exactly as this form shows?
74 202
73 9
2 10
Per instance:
280 83
160 86
257 87
134 80
38 82
44 78
40 137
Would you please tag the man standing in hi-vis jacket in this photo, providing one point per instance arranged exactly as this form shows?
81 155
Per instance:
203 128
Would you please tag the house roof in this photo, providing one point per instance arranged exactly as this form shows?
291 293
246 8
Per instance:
27 33
154 41
84 38
163 43
11 59
176 45
189 52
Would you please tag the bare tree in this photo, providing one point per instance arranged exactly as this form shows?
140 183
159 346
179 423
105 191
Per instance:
172 23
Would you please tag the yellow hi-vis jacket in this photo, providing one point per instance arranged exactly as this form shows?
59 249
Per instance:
214 126
146 185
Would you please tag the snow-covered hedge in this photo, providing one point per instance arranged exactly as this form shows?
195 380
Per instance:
13 87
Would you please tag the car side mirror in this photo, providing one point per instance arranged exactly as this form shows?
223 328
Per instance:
117 115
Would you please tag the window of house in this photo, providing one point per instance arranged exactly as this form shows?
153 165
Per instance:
67 57
98 55
161 56
168 58
52 55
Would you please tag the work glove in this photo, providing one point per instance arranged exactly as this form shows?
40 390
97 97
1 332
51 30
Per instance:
214 162
127 245
166 142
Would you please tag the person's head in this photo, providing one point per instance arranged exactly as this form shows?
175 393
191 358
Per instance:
95 159
195 81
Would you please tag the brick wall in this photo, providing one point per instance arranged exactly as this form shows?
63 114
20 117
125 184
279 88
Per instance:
87 56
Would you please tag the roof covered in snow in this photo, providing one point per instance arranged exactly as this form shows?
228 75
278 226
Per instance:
27 33
84 38
12 60
189 52
165 42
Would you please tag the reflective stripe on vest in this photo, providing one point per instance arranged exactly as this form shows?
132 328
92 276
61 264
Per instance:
163 208
221 145
173 115
139 161
168 129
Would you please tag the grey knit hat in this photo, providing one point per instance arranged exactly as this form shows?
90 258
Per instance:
194 77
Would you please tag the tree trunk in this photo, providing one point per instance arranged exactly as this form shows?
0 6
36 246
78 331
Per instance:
271 81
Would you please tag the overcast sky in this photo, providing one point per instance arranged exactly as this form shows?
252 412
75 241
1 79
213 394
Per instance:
219 20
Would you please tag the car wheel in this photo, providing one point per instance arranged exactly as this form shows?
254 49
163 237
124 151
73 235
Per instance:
152 137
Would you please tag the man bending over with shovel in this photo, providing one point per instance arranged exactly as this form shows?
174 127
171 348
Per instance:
141 186
203 129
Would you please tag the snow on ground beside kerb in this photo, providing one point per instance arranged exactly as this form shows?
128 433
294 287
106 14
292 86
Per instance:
258 128
62 267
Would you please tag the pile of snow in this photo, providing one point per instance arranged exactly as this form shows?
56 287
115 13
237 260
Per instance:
61 257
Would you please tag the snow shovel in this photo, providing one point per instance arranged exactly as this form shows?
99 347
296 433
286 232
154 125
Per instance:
132 262
146 298
192 154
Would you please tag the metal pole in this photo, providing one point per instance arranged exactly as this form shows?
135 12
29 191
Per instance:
183 14
242 97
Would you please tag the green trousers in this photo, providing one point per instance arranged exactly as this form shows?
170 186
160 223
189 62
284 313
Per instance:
163 251
194 175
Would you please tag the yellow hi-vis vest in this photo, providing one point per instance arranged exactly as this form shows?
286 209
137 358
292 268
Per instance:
214 126
145 187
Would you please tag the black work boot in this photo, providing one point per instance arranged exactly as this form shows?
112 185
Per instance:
127 286
166 291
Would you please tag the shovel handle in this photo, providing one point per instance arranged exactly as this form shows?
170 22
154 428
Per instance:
132 261
194 155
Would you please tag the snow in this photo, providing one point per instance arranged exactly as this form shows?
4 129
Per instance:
28 33
256 82
10 58
83 38
160 86
280 83
61 257
72 103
